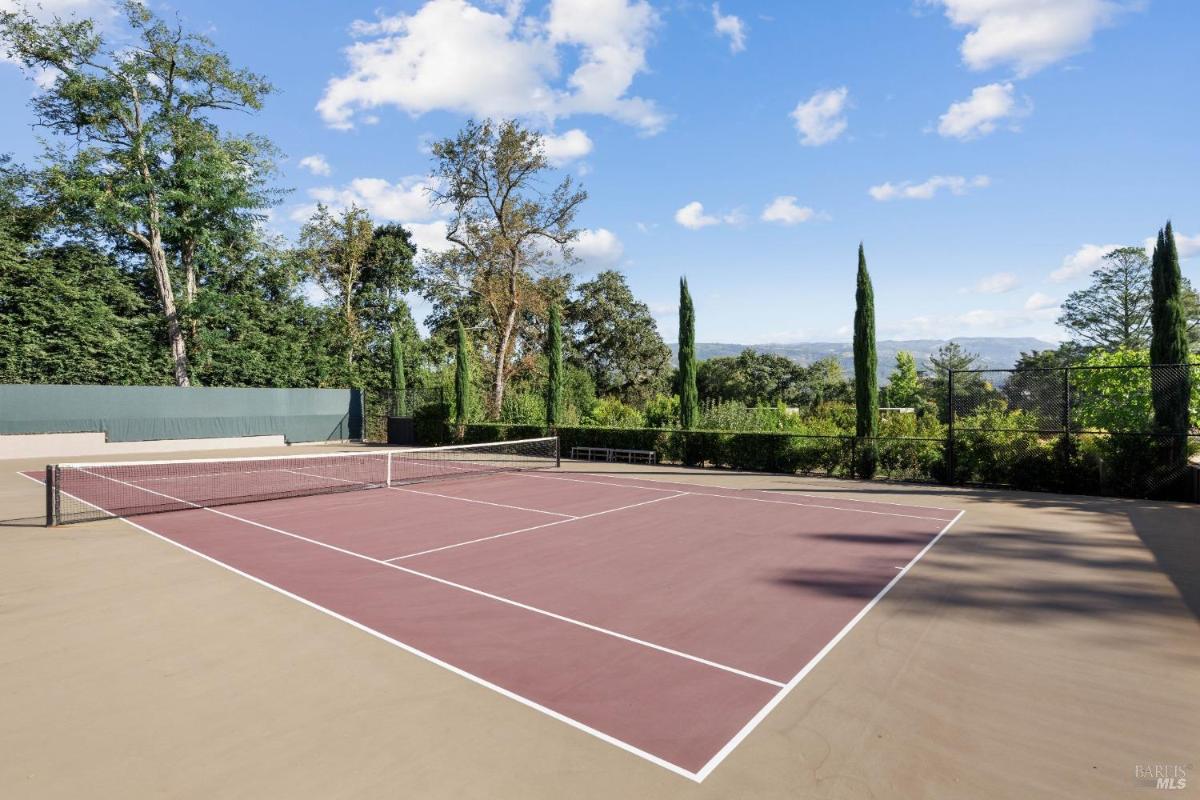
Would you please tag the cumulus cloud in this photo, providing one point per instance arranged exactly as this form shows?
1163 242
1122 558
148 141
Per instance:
316 164
785 211
730 26
979 114
405 201
1082 262
955 184
1028 35
692 217
453 55
821 118
598 249
564 148
997 283
1187 246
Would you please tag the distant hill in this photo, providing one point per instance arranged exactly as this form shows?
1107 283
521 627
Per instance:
995 352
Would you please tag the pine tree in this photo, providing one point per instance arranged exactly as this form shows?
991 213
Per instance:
689 398
399 383
866 380
1169 341
462 380
554 357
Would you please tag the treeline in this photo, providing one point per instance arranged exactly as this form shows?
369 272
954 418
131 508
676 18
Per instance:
137 250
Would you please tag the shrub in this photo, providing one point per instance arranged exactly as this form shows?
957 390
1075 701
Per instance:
612 413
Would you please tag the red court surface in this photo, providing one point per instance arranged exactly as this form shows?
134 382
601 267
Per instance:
665 618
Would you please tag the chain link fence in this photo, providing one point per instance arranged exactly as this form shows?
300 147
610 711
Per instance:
1131 431
426 406
1111 430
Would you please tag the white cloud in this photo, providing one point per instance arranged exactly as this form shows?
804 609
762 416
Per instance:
1038 301
821 118
979 113
1187 246
955 184
692 217
566 147
997 283
1082 262
1027 34
429 236
316 164
731 26
1037 321
406 201
598 249
783 209
452 55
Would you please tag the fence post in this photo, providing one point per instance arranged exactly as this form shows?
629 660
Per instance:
950 475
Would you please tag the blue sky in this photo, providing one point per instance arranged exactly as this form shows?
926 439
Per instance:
987 152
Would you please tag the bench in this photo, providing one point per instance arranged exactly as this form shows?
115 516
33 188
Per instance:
612 454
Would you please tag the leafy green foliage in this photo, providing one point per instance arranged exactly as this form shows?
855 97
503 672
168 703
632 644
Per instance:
609 412
615 338
689 399
904 387
1169 343
866 367
145 165
70 315
554 366
508 235
1114 311
462 379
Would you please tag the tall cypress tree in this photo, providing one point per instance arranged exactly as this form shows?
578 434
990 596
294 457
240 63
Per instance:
399 382
866 381
554 360
462 380
1170 387
689 397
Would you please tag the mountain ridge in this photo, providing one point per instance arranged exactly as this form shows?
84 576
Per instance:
995 352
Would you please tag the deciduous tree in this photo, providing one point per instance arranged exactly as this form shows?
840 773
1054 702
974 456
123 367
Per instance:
506 230
147 164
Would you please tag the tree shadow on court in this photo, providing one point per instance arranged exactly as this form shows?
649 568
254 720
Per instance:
1170 531
1025 576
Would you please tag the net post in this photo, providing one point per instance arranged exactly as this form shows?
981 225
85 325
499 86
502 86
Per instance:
557 454
51 496
389 470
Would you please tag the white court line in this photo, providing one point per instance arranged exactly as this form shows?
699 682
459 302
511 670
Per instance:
533 527
751 499
463 587
715 761
511 695
484 502
774 491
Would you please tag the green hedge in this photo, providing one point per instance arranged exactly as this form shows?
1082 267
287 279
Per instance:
832 455
1089 464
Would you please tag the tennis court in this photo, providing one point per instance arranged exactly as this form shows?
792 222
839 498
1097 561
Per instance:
658 616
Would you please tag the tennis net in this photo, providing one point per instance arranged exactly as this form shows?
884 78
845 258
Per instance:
83 492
